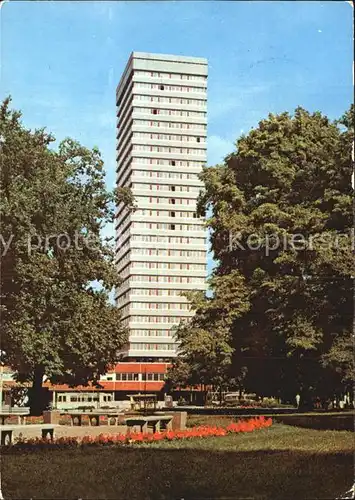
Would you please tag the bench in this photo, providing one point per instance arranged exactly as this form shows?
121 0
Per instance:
156 423
47 431
94 417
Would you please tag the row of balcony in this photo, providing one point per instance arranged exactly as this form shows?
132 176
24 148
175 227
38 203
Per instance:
134 77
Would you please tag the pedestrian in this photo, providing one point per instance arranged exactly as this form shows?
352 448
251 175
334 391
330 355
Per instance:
298 399
348 400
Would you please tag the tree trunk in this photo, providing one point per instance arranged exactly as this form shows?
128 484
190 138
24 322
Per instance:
204 391
36 393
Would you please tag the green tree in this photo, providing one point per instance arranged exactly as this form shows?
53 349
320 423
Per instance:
281 216
125 196
54 204
205 351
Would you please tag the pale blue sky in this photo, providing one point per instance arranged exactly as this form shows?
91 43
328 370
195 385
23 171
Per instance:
61 61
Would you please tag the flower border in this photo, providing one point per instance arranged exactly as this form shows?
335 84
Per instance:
205 431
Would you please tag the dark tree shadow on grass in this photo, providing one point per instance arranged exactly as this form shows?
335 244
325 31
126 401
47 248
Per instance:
164 474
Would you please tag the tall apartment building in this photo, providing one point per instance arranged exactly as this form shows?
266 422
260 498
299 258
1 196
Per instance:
161 244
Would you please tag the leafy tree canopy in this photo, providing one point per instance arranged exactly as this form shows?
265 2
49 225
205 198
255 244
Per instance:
54 204
281 218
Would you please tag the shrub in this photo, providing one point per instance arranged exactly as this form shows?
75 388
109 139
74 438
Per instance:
320 422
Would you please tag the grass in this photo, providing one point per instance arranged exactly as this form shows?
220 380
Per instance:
280 462
325 421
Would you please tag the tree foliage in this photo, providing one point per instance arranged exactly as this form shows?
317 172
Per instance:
281 218
125 196
54 204
205 350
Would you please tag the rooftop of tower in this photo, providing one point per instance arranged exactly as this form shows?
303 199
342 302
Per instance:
168 57
135 56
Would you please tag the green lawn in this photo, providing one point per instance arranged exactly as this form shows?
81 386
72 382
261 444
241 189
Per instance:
313 420
281 462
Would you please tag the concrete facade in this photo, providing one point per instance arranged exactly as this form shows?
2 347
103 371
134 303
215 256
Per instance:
161 148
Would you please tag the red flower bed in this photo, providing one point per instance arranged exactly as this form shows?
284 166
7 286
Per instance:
249 425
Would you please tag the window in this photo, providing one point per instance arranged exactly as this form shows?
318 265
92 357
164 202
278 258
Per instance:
172 201
172 227
172 188
154 111
198 139
172 162
161 87
172 214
